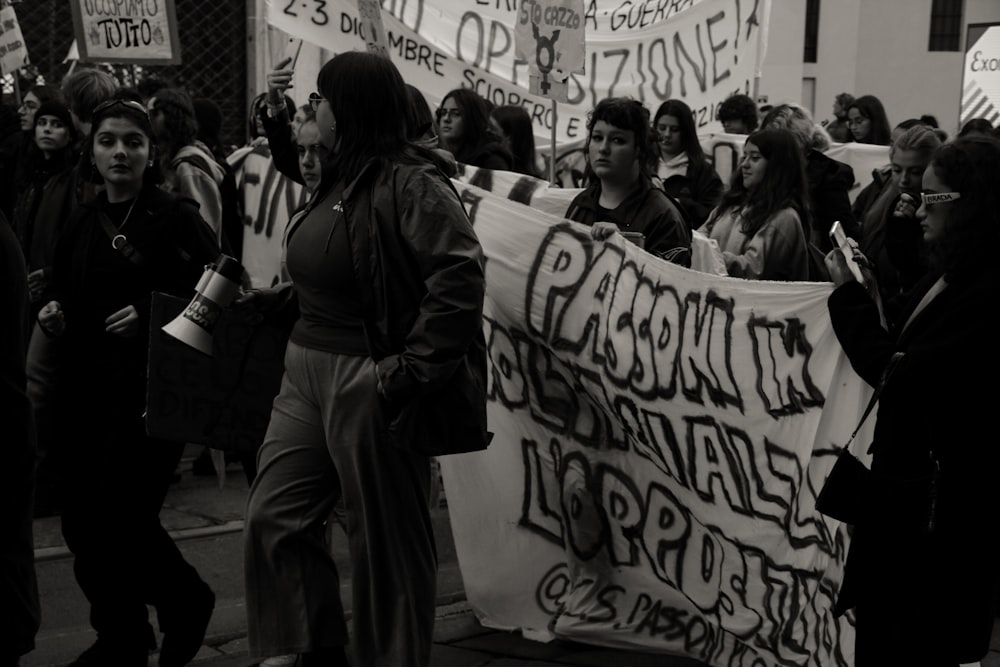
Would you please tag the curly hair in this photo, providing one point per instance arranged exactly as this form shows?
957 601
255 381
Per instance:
799 122
739 107
627 114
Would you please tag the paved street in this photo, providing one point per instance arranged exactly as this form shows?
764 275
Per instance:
207 521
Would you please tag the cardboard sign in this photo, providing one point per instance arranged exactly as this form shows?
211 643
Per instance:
142 32
13 52
223 401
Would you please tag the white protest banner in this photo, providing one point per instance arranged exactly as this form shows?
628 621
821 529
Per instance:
661 436
981 74
651 50
13 51
142 32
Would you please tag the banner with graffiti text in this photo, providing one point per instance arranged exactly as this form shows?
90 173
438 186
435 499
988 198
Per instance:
661 437
653 50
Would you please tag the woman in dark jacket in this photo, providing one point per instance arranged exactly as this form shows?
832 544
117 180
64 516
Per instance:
133 240
620 196
388 288
464 129
49 190
921 571
681 168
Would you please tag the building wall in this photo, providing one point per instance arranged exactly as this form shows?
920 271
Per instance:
876 47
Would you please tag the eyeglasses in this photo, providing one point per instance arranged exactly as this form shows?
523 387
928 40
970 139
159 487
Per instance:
929 198
128 104
315 99
450 113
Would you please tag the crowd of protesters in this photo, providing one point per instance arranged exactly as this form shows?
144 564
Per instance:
119 192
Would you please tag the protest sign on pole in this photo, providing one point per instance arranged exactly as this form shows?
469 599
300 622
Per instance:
13 51
981 74
141 33
372 28
550 37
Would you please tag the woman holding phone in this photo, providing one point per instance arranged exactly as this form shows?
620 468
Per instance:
920 571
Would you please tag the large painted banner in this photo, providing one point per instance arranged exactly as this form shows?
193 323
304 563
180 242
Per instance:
661 436
653 50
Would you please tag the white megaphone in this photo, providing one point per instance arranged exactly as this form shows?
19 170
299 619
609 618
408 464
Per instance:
216 289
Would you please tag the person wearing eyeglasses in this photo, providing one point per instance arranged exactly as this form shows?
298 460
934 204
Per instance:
134 239
889 234
868 122
386 296
464 130
921 570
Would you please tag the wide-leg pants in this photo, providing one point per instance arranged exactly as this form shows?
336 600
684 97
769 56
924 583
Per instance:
326 438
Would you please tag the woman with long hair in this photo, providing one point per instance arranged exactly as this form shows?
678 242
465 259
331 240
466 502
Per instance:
681 166
17 159
921 572
829 180
515 122
868 122
464 129
135 239
386 296
760 223
52 156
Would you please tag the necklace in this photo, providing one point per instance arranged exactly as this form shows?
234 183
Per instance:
115 242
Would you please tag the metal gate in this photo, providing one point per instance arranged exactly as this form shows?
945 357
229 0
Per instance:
213 39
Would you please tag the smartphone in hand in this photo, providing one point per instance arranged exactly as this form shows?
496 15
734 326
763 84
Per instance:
839 239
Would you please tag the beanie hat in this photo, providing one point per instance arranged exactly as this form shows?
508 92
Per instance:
58 110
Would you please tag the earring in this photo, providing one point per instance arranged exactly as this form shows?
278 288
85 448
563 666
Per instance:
333 126
149 164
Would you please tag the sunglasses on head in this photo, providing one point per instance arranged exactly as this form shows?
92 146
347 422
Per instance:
128 104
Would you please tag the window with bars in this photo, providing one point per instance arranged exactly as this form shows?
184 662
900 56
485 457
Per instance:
810 46
946 25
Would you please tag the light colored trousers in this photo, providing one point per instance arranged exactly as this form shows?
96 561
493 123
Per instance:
326 438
